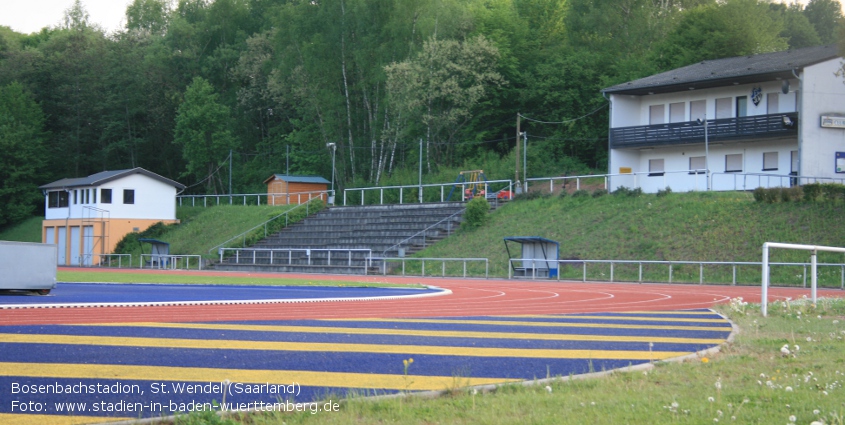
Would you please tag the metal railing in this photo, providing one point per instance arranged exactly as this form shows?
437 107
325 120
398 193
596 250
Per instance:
670 266
751 181
286 214
255 198
170 262
109 261
443 269
420 190
668 134
422 233
275 256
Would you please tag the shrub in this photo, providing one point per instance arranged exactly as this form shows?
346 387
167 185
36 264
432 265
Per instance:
476 212
130 240
563 193
581 193
663 192
812 191
621 191
760 194
599 192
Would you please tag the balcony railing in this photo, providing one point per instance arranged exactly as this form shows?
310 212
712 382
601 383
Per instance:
754 127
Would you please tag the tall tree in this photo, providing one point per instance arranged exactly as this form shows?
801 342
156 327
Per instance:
202 131
826 17
442 86
22 139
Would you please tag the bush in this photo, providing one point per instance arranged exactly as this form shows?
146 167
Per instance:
581 193
812 191
130 240
621 191
663 192
599 192
476 213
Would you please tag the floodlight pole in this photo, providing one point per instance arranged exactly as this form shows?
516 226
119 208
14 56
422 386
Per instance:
421 159
333 147
525 160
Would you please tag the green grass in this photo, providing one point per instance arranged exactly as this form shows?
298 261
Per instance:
728 227
207 279
27 231
749 382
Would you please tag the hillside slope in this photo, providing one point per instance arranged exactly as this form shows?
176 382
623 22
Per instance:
679 226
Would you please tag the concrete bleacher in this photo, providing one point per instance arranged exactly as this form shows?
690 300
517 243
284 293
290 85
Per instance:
352 234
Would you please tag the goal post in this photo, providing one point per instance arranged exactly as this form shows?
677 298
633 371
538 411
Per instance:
764 292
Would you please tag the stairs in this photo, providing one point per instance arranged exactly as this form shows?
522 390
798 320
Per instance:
340 240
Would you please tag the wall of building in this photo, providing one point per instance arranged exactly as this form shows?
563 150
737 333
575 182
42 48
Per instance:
822 93
676 167
153 200
631 110
80 240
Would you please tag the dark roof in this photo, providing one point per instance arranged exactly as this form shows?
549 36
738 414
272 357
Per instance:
298 179
530 239
107 176
727 71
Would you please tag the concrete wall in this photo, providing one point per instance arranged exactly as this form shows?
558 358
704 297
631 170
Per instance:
30 266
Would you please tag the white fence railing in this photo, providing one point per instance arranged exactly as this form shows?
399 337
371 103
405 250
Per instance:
385 264
420 191
285 256
107 260
170 262
253 198
670 265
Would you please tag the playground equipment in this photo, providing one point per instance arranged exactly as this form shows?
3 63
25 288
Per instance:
472 183
538 256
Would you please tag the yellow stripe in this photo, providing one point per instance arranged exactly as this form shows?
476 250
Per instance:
246 376
12 419
339 348
629 318
541 324
421 333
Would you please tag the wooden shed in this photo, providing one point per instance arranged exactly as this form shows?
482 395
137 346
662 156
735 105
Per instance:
283 189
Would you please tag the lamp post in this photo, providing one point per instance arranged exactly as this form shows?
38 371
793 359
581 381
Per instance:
333 147
706 152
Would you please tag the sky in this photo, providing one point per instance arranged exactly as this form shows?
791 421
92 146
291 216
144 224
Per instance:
29 16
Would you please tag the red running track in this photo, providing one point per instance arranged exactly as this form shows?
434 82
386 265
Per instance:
470 297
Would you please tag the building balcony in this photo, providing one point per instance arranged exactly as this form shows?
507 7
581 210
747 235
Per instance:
721 130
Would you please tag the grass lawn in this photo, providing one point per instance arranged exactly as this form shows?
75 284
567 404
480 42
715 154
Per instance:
198 278
787 368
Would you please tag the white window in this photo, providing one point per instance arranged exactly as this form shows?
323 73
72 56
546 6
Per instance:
655 114
733 163
677 112
697 110
770 161
697 165
655 167
724 108
772 103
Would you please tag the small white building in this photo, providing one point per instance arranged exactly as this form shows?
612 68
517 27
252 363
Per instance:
90 215
769 120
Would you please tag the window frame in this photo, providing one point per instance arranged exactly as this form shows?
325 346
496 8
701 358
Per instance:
698 170
58 199
728 161
103 198
653 170
765 161
129 196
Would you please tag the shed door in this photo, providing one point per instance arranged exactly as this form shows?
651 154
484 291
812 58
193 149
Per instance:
62 246
88 245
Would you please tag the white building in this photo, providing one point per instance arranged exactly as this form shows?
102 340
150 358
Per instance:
90 215
769 120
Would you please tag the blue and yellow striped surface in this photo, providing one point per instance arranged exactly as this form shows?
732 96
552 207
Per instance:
323 358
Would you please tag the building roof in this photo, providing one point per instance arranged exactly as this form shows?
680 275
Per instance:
728 71
105 177
298 179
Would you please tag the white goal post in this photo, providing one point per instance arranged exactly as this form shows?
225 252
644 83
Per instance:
764 293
